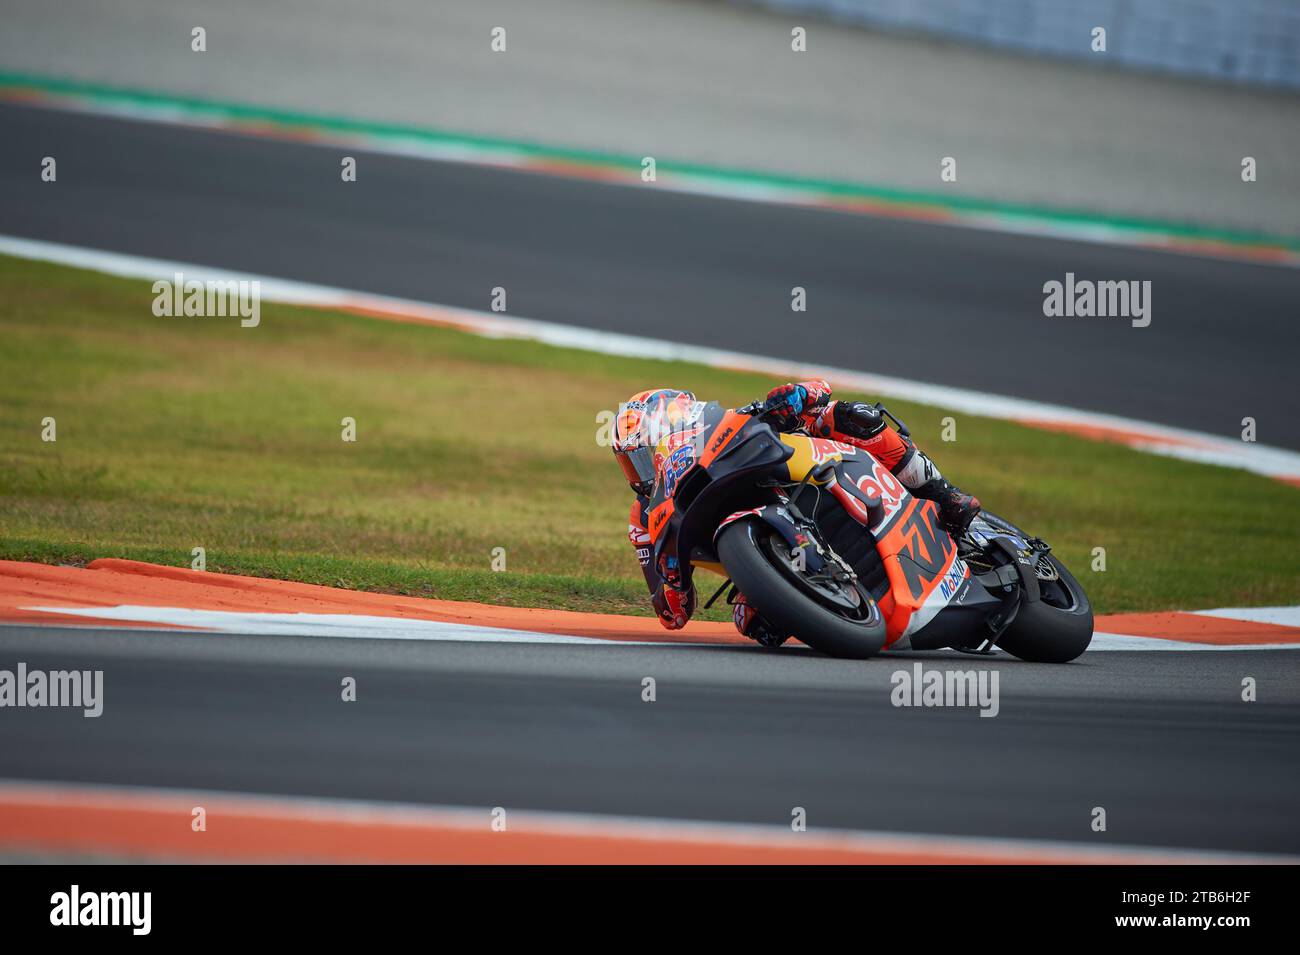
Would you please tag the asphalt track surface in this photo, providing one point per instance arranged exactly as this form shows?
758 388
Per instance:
953 306
1160 739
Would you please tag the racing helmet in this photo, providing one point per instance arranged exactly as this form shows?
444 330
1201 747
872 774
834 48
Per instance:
641 420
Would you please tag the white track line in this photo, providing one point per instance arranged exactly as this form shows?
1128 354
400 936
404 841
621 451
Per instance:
1122 641
1281 616
345 625
365 627
1146 436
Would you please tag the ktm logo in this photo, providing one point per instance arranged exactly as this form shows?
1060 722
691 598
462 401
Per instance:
926 549
721 439
659 516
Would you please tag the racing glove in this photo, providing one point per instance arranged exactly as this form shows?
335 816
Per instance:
673 603
790 401
786 401
673 606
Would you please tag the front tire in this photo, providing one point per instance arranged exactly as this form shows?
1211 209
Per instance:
786 607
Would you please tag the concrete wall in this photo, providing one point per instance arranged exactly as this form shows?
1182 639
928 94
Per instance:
1251 41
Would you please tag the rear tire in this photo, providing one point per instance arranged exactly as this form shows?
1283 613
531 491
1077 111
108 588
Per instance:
785 607
1043 633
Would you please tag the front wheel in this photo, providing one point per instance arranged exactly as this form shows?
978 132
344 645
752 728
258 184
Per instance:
807 610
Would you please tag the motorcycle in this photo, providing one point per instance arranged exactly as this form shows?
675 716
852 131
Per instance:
829 546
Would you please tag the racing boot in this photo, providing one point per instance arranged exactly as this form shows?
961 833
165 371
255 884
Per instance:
956 508
920 476
750 623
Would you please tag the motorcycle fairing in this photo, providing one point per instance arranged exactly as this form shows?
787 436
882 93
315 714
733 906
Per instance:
920 558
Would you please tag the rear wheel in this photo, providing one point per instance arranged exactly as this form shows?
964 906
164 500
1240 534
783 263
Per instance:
1057 627
837 619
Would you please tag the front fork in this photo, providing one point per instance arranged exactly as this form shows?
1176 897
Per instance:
809 531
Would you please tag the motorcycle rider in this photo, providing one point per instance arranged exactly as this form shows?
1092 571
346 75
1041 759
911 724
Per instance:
804 404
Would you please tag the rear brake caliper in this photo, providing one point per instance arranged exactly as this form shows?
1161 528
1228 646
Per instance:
1037 553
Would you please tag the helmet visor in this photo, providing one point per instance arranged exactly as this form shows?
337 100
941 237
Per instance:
638 466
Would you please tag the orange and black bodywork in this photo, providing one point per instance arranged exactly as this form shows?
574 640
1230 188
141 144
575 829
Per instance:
827 500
